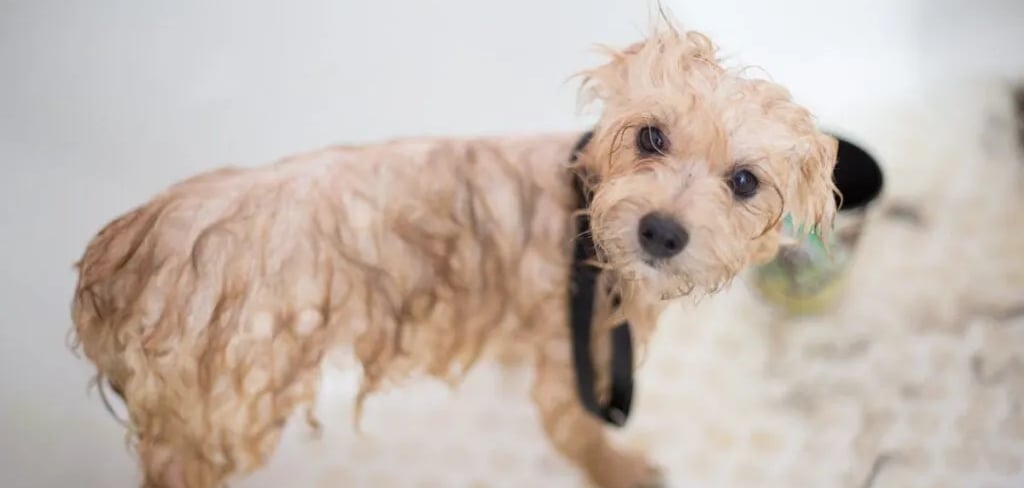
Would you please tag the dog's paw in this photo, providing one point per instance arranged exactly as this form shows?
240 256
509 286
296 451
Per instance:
652 477
633 471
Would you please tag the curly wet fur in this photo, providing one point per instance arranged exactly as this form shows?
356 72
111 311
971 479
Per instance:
211 307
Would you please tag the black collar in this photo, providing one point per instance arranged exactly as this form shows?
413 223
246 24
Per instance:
583 285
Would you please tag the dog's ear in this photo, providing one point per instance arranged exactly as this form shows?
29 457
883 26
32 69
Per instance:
608 81
812 201
646 64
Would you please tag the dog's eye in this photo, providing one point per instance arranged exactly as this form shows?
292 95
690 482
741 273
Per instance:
743 183
650 140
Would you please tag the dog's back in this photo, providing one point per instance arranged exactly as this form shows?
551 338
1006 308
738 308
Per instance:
210 308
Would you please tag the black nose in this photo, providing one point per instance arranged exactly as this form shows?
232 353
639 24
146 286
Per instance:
661 236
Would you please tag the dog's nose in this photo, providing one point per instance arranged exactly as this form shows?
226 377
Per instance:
662 236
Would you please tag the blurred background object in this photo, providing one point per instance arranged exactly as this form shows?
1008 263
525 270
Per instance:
914 378
806 277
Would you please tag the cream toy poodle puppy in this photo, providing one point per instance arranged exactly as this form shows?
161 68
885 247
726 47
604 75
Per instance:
209 309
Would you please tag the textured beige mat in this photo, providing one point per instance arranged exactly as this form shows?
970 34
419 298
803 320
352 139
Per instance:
917 379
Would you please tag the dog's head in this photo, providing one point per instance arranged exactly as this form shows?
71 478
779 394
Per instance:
693 166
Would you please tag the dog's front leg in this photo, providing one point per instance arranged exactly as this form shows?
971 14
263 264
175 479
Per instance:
578 435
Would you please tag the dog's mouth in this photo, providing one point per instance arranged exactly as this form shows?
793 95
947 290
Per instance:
663 278
666 282
661 265
675 294
683 288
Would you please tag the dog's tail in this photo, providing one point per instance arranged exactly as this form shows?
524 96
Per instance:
97 310
100 381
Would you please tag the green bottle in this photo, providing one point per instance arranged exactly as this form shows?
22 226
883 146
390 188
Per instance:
806 277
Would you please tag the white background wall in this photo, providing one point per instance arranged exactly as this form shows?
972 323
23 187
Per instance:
103 103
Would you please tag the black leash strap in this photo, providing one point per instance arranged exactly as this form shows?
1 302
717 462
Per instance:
582 293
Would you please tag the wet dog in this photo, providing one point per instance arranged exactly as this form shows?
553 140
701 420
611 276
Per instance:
211 307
